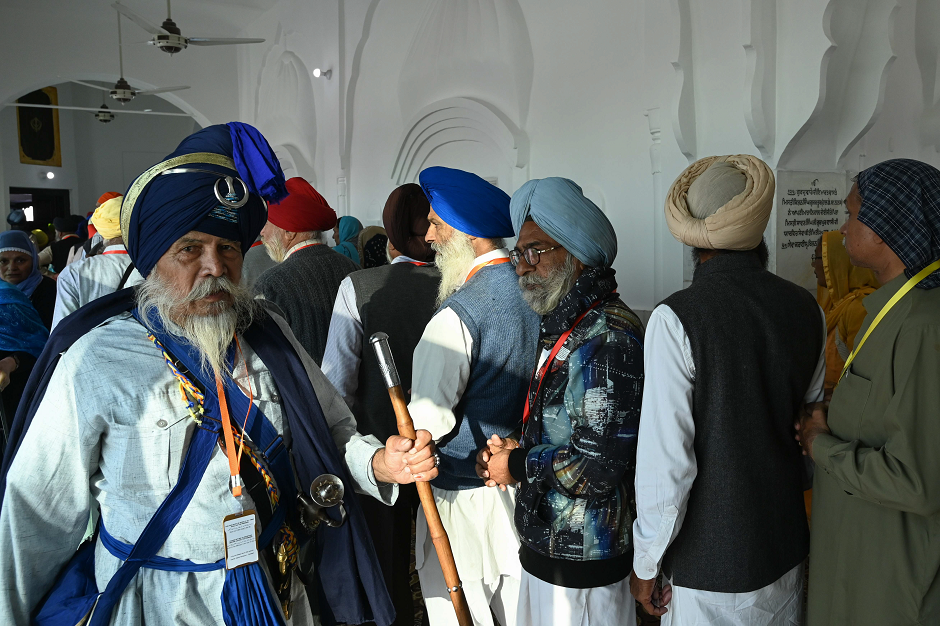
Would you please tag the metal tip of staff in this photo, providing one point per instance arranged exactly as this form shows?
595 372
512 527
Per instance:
377 337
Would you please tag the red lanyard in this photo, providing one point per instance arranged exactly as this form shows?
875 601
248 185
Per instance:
115 252
482 265
256 244
418 263
548 362
302 247
234 459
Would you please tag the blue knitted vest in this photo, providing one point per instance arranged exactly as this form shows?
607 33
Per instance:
505 335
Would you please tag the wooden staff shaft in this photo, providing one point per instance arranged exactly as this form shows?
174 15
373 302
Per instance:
445 555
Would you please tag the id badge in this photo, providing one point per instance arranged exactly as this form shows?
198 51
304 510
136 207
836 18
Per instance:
241 539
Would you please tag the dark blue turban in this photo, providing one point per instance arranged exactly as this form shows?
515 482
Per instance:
901 203
178 195
467 202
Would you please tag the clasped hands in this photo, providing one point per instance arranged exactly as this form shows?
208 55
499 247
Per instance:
810 423
404 461
493 462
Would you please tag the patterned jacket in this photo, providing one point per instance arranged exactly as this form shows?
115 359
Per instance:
576 499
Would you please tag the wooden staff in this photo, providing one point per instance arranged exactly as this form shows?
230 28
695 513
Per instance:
406 428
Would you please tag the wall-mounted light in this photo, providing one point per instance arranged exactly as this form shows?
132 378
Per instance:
46 175
318 73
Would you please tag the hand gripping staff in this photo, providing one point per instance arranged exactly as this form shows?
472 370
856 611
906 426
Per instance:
406 428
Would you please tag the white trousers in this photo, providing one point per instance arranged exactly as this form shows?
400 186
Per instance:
500 596
778 604
544 604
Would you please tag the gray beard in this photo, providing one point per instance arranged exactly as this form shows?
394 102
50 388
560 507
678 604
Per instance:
548 292
212 334
275 249
454 259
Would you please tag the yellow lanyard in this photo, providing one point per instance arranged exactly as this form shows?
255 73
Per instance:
924 273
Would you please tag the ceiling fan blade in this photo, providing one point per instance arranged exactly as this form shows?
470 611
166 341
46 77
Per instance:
137 19
219 41
148 92
80 82
120 111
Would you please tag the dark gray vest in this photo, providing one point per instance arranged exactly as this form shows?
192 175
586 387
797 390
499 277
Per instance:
397 299
756 340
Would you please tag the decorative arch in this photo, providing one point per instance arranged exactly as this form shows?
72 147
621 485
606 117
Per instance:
455 120
285 110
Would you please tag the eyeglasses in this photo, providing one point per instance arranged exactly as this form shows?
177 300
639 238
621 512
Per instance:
531 255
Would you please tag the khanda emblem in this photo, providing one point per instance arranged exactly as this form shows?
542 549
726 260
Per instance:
231 199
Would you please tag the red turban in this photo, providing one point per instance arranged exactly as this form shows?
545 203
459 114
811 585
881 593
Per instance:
107 196
303 210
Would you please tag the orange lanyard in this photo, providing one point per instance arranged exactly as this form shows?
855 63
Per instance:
482 265
115 252
551 358
234 459
418 263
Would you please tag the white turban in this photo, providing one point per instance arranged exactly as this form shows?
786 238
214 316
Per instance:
739 221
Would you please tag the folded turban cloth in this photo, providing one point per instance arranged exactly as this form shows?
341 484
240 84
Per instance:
107 218
901 203
67 224
107 196
467 202
739 222
16 217
559 208
178 195
303 210
18 241
349 229
406 222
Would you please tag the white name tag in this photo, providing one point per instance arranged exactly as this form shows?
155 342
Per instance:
241 539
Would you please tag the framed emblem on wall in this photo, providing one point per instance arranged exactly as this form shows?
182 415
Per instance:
38 129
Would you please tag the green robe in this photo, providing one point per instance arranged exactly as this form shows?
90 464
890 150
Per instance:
875 543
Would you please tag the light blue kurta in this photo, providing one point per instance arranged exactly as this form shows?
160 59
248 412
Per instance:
111 432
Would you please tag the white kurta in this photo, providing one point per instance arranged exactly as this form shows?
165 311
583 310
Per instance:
666 469
111 433
343 352
91 278
479 522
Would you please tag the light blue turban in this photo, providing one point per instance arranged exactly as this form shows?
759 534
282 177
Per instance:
467 202
559 207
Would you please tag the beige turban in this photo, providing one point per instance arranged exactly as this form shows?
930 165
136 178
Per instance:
733 217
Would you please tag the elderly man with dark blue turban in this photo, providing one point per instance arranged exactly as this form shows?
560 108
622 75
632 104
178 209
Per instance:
182 415
471 370
575 460
875 541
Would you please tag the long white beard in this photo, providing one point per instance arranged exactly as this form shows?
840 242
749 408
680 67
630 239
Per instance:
454 259
275 249
212 334
549 291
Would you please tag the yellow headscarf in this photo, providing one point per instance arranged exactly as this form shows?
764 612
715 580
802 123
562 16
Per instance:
107 218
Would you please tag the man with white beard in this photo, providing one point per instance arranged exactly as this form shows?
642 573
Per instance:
308 273
576 458
185 415
471 369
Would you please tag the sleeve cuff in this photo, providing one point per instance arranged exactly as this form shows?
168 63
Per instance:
822 447
644 567
517 465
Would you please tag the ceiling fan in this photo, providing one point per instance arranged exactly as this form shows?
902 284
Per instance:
122 91
168 36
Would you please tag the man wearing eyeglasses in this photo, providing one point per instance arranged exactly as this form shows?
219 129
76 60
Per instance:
471 370
574 462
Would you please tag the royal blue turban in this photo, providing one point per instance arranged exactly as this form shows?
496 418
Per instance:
467 202
901 203
559 208
178 195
